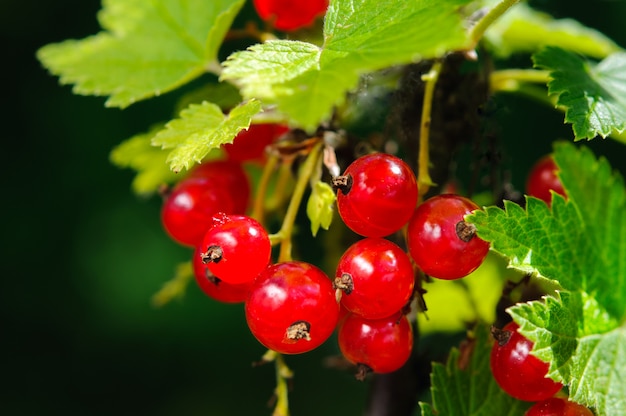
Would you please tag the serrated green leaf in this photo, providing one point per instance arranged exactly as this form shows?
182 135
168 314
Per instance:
319 207
200 129
222 94
138 153
593 95
523 29
581 244
585 346
147 48
464 386
360 36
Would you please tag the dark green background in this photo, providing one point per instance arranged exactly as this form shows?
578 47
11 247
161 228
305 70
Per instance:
81 256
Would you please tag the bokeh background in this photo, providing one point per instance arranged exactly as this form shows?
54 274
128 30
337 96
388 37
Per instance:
82 256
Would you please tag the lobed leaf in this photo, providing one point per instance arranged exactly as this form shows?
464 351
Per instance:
306 81
581 244
146 48
200 129
593 95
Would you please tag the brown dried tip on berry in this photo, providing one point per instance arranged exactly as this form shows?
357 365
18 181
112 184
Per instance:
299 330
211 277
465 231
212 254
362 371
501 336
342 183
345 283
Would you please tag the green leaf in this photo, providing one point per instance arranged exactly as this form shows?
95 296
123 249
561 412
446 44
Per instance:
319 208
581 244
585 346
360 36
138 153
222 94
147 48
200 129
464 386
593 95
523 29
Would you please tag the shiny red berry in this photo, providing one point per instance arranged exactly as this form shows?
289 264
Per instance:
292 307
442 244
290 15
216 288
376 277
236 248
543 179
250 144
187 210
228 175
381 345
516 371
557 406
376 195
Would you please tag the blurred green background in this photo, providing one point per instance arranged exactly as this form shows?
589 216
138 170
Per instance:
82 255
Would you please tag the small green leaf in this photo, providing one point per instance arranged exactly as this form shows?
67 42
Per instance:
222 94
464 386
593 95
523 29
319 208
147 48
200 129
307 81
138 153
580 244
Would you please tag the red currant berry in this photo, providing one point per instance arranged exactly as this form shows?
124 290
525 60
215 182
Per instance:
188 208
557 406
442 244
250 144
376 195
543 178
381 345
214 287
376 277
516 371
228 175
292 307
236 248
290 15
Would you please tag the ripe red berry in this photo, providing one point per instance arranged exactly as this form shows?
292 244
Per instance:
442 244
250 144
382 345
228 175
236 248
187 210
376 277
516 371
216 288
292 307
543 178
290 15
557 406
376 195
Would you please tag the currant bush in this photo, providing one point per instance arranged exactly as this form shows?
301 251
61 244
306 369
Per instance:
516 371
376 195
289 15
557 406
442 244
236 248
376 277
380 345
292 307
543 179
